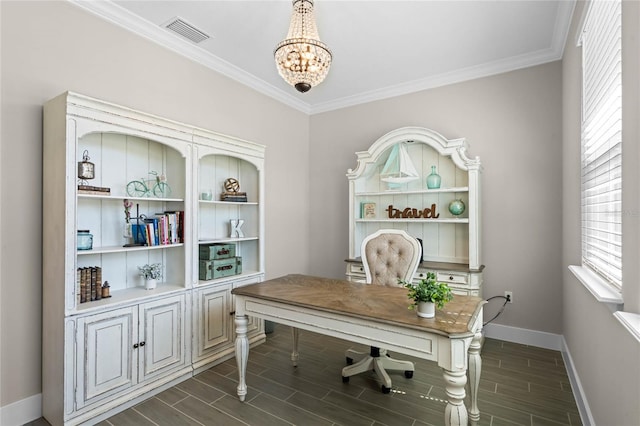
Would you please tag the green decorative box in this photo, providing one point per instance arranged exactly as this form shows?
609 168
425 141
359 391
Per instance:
217 268
216 251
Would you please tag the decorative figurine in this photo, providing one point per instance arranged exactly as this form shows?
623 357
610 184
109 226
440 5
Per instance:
232 191
236 231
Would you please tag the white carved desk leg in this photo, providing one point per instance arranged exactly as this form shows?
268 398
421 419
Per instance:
455 414
294 352
242 354
475 365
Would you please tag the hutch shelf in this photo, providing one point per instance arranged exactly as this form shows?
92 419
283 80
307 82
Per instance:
451 243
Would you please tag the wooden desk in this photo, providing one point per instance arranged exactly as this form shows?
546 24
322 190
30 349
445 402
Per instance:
372 315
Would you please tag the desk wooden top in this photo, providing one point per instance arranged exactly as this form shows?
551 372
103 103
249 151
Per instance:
372 302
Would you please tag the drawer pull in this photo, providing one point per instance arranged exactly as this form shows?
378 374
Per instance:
450 277
224 268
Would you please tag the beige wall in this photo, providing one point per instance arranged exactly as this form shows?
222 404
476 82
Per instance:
512 122
606 357
50 47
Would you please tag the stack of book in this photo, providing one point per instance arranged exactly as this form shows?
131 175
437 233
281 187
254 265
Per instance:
89 284
94 190
238 197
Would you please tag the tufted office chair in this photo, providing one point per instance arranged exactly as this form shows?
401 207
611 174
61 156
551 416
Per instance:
387 255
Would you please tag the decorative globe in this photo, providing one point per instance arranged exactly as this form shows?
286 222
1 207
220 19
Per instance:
456 207
231 185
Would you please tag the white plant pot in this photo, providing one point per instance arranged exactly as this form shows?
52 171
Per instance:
150 284
426 309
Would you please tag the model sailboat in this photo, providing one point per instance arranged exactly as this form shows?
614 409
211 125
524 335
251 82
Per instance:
398 169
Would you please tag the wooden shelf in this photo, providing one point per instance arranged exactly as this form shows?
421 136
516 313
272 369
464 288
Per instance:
129 295
226 240
120 249
444 220
231 278
233 203
126 197
417 191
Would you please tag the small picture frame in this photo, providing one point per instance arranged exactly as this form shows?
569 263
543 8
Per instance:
367 210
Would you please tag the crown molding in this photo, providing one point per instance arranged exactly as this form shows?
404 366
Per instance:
553 53
118 15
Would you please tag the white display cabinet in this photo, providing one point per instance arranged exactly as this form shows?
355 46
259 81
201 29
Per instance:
102 356
215 216
451 243
218 158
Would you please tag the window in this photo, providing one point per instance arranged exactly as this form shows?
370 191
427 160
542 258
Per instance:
602 141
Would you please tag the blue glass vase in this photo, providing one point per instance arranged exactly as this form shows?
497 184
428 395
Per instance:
433 180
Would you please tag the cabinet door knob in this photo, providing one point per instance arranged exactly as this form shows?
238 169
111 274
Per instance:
142 344
450 277
232 313
135 346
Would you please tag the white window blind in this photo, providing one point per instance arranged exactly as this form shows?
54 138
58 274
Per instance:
602 141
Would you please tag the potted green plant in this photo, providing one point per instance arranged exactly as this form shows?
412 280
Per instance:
427 294
151 273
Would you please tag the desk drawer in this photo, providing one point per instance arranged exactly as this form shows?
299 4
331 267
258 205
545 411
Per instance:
452 277
356 268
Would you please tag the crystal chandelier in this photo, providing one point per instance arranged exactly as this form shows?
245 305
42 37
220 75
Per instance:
302 59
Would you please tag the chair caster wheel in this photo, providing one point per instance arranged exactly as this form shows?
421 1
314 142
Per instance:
385 389
349 361
345 379
408 374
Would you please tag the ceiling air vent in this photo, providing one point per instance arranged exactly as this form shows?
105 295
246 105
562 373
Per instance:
186 30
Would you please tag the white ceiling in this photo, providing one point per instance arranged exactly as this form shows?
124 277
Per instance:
380 48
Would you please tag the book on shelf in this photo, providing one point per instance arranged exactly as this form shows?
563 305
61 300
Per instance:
153 231
367 210
163 229
139 232
94 190
89 192
89 285
239 197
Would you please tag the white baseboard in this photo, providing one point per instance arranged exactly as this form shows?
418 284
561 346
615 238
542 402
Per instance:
576 386
21 412
524 336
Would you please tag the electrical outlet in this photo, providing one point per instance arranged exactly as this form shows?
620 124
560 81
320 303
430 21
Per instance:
509 296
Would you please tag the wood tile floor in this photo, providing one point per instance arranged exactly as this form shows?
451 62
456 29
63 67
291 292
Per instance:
520 385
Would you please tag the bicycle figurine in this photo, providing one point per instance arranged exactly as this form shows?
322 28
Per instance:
156 186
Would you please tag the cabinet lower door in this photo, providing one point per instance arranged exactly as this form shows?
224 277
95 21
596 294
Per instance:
214 320
105 356
162 336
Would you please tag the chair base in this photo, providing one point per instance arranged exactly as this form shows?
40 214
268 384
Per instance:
377 360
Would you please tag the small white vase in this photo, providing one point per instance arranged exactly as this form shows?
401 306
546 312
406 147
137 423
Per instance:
150 283
426 309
